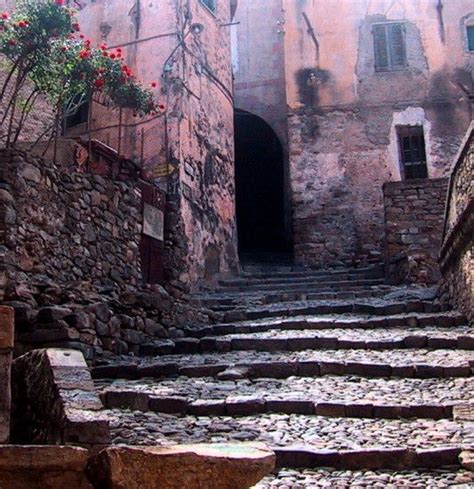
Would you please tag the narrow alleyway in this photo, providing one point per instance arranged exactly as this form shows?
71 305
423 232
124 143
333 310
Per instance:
331 368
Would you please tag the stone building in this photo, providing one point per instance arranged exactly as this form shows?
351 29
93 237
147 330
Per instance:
353 94
189 152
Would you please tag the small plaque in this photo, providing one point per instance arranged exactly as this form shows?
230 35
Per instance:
153 220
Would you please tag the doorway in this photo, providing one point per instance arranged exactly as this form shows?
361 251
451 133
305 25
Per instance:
260 188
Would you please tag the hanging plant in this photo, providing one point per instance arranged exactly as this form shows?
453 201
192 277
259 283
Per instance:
48 55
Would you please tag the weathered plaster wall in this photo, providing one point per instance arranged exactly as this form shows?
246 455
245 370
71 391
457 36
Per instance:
414 216
457 251
343 114
194 142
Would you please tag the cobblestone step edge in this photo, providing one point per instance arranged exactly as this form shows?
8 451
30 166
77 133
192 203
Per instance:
282 370
211 344
321 309
370 459
250 406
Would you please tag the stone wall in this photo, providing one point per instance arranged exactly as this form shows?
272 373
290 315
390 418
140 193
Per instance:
414 214
6 348
70 245
457 251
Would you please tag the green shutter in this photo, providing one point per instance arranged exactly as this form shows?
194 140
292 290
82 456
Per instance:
470 37
397 46
382 61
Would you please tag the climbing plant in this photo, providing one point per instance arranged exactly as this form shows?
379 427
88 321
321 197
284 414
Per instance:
45 54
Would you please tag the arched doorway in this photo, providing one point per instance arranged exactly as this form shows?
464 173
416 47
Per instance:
260 184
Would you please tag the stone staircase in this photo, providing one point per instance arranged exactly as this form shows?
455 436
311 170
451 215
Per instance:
330 368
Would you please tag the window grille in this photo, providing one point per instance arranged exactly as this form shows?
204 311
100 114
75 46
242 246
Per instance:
412 152
389 46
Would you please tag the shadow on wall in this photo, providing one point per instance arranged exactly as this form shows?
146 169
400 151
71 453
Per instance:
309 81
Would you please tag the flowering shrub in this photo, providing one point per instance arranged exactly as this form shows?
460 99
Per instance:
44 46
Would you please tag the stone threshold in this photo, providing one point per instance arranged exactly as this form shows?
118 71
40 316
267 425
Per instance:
249 406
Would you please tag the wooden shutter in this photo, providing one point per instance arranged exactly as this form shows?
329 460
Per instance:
382 61
389 46
397 46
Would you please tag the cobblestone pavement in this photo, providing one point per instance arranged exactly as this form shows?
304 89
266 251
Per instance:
328 388
398 357
317 432
380 479
252 377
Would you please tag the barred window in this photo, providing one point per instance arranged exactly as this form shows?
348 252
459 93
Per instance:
412 152
389 46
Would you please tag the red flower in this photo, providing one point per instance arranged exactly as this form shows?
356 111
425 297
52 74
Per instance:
60 3
112 56
161 107
5 15
12 42
82 36
103 47
153 84
84 54
76 27
22 24
99 83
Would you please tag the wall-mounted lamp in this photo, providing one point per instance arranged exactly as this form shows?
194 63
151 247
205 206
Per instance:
196 29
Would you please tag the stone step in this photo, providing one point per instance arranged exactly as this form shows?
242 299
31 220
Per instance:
334 321
420 363
306 287
242 301
308 440
305 277
332 308
394 338
447 476
345 396
265 272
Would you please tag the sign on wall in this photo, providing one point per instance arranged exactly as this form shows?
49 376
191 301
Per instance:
153 220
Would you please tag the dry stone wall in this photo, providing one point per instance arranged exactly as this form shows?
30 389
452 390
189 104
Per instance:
414 211
457 252
71 262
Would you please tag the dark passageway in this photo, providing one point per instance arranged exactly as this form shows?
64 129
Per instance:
259 176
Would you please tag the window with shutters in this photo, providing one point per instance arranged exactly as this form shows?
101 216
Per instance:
389 46
470 37
412 152
210 4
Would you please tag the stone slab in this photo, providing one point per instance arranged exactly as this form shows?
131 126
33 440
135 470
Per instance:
208 466
40 467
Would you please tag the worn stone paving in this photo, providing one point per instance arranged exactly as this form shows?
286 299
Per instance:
382 479
316 432
329 388
395 357
386 376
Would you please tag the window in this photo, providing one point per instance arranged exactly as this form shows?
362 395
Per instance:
389 46
210 4
470 37
412 152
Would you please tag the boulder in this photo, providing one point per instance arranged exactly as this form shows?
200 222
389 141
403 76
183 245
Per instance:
40 467
216 466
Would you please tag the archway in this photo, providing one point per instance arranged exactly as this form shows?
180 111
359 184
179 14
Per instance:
260 195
